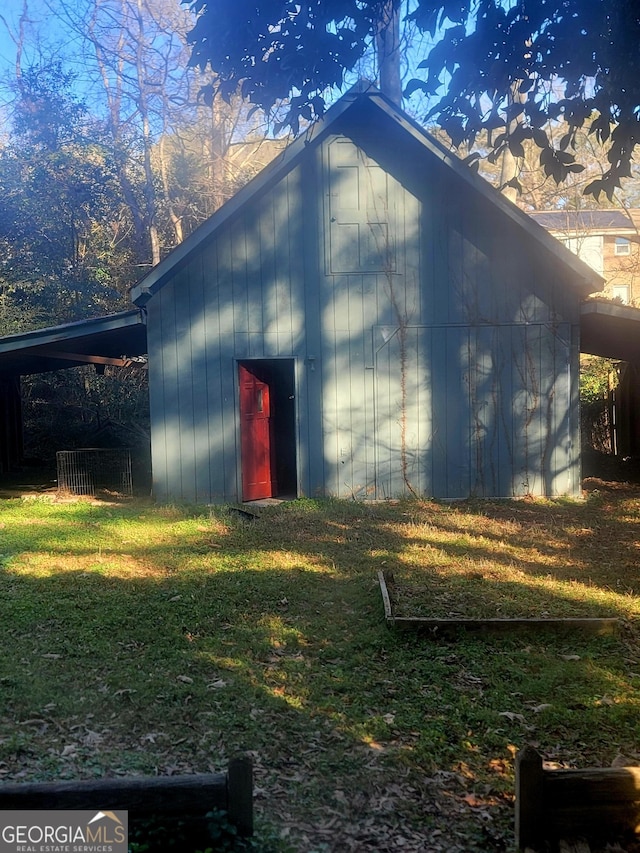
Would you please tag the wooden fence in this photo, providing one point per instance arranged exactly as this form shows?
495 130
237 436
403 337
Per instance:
169 798
598 805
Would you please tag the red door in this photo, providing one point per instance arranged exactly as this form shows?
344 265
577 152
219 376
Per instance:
257 456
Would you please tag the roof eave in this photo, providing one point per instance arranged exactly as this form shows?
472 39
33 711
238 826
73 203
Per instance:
279 166
584 278
67 331
587 280
610 330
601 231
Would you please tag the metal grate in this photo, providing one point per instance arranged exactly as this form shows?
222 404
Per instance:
84 472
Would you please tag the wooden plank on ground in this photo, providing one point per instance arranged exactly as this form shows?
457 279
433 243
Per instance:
599 626
161 794
386 598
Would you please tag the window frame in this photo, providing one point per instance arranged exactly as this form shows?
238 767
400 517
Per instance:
627 298
621 246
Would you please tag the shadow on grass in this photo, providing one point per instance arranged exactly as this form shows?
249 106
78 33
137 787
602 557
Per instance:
171 653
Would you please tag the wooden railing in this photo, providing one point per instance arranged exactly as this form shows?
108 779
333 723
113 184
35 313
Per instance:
597 805
166 797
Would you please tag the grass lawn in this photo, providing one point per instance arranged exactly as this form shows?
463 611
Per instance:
138 639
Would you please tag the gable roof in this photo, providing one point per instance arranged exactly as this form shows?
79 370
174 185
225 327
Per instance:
585 221
382 111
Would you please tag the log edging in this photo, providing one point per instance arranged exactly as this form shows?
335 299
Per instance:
439 626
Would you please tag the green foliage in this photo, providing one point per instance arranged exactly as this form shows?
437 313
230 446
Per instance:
59 205
507 68
520 65
94 191
224 837
68 409
598 376
156 835
333 35
47 114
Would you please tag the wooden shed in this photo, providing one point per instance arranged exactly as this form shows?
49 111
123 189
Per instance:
367 318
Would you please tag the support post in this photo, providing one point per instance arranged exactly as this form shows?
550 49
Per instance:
240 794
529 798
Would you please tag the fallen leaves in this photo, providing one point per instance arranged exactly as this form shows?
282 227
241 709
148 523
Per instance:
34 722
92 738
543 706
150 737
393 744
511 715
124 692
501 766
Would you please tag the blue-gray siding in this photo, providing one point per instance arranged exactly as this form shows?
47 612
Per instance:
435 351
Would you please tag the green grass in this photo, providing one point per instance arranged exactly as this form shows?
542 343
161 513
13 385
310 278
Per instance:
136 639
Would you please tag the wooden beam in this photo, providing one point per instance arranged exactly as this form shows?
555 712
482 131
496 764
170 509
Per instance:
145 794
10 423
240 794
386 598
529 805
86 358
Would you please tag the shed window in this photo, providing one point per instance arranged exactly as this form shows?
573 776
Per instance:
361 212
623 246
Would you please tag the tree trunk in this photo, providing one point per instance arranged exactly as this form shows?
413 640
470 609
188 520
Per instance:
510 168
113 94
388 51
176 221
217 152
508 171
143 108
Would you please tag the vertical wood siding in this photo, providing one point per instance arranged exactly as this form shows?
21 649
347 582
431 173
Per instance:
474 374
435 349
241 296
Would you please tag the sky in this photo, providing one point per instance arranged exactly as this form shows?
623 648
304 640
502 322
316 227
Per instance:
9 19
50 37
48 34
43 22
7 47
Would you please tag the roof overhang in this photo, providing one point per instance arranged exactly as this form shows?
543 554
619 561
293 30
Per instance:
115 340
610 330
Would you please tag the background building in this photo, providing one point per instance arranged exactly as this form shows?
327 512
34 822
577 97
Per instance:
607 240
